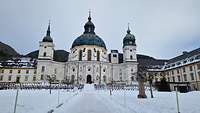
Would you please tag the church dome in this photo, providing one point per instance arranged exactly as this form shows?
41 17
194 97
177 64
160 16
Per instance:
129 39
89 37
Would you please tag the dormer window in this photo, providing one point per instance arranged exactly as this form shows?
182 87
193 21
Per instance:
191 59
185 61
197 57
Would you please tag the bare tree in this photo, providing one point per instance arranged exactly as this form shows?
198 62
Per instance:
50 79
141 79
150 79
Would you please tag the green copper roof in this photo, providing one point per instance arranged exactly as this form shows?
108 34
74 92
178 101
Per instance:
89 37
129 39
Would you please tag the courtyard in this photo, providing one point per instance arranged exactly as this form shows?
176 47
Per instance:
89 100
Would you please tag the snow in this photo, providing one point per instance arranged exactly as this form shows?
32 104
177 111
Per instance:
32 101
90 100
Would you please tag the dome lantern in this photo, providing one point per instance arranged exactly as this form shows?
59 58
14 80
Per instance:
89 26
89 37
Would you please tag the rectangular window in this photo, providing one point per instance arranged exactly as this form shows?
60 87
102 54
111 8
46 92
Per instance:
199 74
34 78
114 55
27 71
191 69
55 71
2 71
179 78
35 71
156 79
43 69
172 72
1 77
183 69
9 78
26 78
10 71
192 76
168 79
177 71
42 77
198 66
173 79
185 77
19 71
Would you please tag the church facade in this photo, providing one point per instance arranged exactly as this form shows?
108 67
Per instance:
88 60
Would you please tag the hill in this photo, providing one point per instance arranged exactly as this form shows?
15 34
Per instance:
59 55
7 51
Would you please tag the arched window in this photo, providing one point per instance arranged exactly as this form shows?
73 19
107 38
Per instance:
132 78
104 78
98 56
89 55
80 55
72 79
131 57
45 54
43 69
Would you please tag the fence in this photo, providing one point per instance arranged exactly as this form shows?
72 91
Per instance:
119 87
4 86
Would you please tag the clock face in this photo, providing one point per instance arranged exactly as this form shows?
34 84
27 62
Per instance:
131 42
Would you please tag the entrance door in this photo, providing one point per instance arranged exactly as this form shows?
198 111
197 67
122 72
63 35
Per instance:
18 79
89 79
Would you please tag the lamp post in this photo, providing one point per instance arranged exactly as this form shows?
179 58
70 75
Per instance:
58 96
16 98
177 100
100 73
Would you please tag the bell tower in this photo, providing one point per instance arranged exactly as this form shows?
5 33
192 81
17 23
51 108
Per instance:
129 47
46 46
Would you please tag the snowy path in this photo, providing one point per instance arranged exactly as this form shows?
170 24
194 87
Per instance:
90 101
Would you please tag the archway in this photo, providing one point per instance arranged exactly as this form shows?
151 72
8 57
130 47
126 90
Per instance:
18 79
89 79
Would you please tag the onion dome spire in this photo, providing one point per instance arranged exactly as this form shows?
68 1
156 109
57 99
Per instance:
89 37
89 26
129 39
128 31
48 38
89 18
49 29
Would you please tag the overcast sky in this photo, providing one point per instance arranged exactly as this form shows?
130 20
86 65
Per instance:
163 28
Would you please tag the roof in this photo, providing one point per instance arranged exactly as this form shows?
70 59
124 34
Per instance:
129 39
184 56
89 37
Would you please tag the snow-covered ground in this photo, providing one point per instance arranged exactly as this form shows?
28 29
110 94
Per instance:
99 101
33 101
